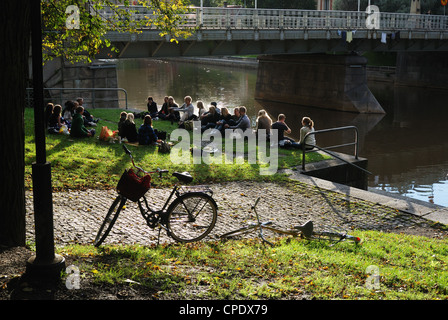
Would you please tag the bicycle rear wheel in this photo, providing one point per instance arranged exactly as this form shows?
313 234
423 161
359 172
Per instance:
191 217
110 219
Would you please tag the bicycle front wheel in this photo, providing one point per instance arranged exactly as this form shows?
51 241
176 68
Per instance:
110 219
191 217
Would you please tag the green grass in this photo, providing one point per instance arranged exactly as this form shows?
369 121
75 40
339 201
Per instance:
91 163
409 267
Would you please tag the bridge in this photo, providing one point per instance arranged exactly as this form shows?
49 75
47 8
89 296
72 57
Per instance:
243 31
282 37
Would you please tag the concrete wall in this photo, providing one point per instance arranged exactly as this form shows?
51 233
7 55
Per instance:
340 172
337 82
58 74
422 69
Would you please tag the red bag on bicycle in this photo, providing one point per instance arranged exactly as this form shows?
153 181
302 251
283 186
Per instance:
132 186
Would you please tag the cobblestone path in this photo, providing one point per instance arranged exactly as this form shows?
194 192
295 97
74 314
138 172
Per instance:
78 214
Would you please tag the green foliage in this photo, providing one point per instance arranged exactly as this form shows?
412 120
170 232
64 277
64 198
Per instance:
63 37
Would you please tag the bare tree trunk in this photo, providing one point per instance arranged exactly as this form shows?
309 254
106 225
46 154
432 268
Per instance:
15 41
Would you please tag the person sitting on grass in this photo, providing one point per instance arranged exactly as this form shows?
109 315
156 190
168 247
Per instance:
264 122
55 120
88 118
123 116
152 107
48 112
146 133
243 122
78 130
129 130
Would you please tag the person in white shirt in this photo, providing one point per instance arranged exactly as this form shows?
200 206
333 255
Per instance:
187 109
310 141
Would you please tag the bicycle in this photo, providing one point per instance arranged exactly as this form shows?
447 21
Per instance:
305 230
190 217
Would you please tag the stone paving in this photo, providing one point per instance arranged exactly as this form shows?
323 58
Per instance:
78 214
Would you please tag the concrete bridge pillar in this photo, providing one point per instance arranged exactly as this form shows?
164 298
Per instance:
337 82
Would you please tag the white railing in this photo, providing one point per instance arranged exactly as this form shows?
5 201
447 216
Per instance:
242 18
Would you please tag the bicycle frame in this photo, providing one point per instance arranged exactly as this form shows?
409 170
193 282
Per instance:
305 230
189 217
158 217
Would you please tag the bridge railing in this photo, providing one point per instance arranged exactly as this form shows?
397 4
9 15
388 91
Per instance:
244 18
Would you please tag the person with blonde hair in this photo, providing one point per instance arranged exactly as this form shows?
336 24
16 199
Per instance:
307 142
187 109
201 108
264 122
128 129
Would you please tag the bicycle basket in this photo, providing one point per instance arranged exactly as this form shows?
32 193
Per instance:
132 186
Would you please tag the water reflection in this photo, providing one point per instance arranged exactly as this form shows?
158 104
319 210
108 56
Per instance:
230 87
407 148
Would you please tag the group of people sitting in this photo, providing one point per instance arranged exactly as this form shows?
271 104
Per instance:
145 135
73 119
306 141
220 119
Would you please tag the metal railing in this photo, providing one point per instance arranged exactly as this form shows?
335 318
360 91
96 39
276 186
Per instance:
62 96
354 143
248 18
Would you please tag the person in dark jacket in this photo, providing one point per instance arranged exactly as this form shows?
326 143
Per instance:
152 107
129 130
146 134
78 129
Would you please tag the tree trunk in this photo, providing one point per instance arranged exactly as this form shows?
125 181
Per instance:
15 41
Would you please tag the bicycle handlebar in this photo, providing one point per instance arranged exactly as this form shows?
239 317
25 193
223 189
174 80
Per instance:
126 150
159 171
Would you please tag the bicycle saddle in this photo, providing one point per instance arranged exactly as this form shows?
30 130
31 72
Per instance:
306 229
183 176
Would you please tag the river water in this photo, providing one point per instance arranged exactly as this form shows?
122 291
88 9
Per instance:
407 148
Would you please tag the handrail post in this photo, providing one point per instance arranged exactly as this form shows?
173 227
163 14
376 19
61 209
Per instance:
355 143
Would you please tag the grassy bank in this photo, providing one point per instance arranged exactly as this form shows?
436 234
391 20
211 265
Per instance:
408 267
91 163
